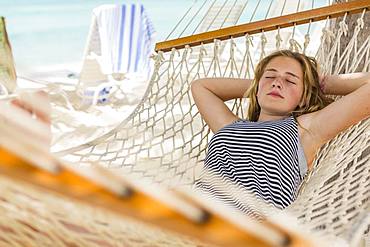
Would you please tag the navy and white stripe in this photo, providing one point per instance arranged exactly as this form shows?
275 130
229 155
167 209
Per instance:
127 38
261 157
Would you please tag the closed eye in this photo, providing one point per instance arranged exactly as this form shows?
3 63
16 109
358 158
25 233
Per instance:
291 82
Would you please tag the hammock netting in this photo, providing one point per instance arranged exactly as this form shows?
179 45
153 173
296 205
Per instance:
164 141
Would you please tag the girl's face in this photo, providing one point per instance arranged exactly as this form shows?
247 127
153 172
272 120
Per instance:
281 87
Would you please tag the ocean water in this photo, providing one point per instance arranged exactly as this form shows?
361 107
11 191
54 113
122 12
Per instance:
44 33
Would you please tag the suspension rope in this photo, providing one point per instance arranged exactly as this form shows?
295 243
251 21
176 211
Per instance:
204 17
255 10
182 18
268 10
216 15
282 10
193 18
228 14
242 10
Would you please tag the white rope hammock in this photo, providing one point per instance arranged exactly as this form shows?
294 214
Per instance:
164 141
165 128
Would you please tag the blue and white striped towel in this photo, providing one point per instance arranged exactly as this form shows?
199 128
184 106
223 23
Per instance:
126 37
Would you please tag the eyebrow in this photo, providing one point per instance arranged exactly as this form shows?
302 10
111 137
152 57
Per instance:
290 73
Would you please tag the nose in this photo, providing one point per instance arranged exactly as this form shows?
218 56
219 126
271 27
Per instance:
277 83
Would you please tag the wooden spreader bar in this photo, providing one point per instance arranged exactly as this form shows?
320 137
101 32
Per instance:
318 14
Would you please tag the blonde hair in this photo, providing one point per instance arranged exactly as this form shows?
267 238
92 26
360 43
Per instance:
312 98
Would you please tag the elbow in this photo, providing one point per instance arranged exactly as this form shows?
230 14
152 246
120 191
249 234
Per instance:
195 85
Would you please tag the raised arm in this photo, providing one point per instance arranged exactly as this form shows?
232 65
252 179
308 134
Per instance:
211 93
353 107
344 84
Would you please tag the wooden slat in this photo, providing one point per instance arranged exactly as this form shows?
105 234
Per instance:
139 206
303 17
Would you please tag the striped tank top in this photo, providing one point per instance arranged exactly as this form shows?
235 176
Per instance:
265 158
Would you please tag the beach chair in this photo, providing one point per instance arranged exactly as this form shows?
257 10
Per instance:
7 71
119 45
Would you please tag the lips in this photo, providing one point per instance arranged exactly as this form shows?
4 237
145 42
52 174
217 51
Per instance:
276 94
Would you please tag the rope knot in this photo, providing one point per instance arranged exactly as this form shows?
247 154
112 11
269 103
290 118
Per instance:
306 42
185 53
173 52
158 58
188 47
263 39
360 22
327 36
248 40
216 46
263 44
232 47
202 51
294 45
279 40
343 27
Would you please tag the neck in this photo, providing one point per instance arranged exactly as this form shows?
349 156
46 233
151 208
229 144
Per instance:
270 117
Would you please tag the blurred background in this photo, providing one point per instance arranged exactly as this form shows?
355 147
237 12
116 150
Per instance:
50 35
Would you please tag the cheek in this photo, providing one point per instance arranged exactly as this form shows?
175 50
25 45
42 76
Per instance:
262 83
295 96
261 86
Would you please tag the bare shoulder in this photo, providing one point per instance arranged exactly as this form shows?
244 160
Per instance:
317 128
341 114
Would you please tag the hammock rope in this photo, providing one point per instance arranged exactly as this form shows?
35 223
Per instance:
164 141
